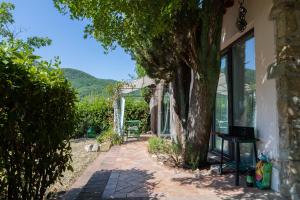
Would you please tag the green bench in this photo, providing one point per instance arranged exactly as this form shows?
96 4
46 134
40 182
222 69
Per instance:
133 129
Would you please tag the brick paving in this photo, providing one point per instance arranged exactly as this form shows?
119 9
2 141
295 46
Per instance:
129 172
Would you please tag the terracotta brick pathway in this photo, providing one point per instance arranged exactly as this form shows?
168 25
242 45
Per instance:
129 172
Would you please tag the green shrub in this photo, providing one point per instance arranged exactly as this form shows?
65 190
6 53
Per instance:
111 136
172 149
157 145
192 158
176 152
95 112
37 119
138 110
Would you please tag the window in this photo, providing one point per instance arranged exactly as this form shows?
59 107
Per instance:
221 107
235 99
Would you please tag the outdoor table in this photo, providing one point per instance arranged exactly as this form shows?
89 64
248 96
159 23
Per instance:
236 140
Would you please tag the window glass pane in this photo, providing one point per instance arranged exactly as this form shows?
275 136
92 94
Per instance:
221 108
244 85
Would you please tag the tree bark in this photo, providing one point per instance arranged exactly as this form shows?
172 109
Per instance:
180 95
202 100
205 39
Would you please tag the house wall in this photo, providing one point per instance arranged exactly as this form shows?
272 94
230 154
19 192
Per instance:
265 53
264 33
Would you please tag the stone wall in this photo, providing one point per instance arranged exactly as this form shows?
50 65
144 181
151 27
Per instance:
286 72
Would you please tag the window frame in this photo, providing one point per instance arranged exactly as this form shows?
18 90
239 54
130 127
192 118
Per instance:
228 52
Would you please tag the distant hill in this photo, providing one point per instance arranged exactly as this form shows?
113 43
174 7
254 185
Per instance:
87 84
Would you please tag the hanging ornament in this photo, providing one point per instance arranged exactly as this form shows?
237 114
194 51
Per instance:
241 22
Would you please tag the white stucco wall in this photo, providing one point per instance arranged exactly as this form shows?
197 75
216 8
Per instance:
264 33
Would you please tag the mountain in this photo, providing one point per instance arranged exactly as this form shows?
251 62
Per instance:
86 84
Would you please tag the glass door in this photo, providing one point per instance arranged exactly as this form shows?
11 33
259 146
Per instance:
235 99
221 106
244 87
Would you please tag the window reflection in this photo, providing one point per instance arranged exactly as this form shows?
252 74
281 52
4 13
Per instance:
244 87
221 107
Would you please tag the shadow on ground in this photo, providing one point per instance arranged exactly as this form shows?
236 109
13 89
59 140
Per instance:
224 187
133 184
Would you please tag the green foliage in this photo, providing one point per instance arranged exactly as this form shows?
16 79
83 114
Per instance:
176 152
143 28
162 36
140 71
37 119
110 136
128 23
172 149
38 42
95 112
114 90
138 110
146 92
157 145
6 18
192 157
8 36
87 85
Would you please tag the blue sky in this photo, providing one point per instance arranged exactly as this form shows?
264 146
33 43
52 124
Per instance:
40 18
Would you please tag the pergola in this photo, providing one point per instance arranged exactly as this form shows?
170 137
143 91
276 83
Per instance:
119 103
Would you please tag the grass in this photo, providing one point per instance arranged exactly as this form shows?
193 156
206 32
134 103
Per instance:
80 160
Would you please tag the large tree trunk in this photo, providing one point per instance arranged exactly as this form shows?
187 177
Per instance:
202 99
180 95
205 41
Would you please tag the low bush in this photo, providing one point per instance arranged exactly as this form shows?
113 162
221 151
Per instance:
111 136
170 148
157 145
37 120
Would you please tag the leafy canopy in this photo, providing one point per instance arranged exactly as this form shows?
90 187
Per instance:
9 36
160 35
125 22
134 25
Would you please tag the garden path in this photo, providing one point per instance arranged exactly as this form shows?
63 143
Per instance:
129 172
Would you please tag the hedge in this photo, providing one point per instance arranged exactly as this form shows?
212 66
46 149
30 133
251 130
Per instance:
97 112
37 119
137 109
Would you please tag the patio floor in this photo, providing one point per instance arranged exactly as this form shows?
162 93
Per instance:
129 172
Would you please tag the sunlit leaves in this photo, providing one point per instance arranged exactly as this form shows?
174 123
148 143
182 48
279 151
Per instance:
39 42
6 18
126 22
36 104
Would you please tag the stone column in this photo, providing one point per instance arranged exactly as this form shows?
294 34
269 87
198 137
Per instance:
286 72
